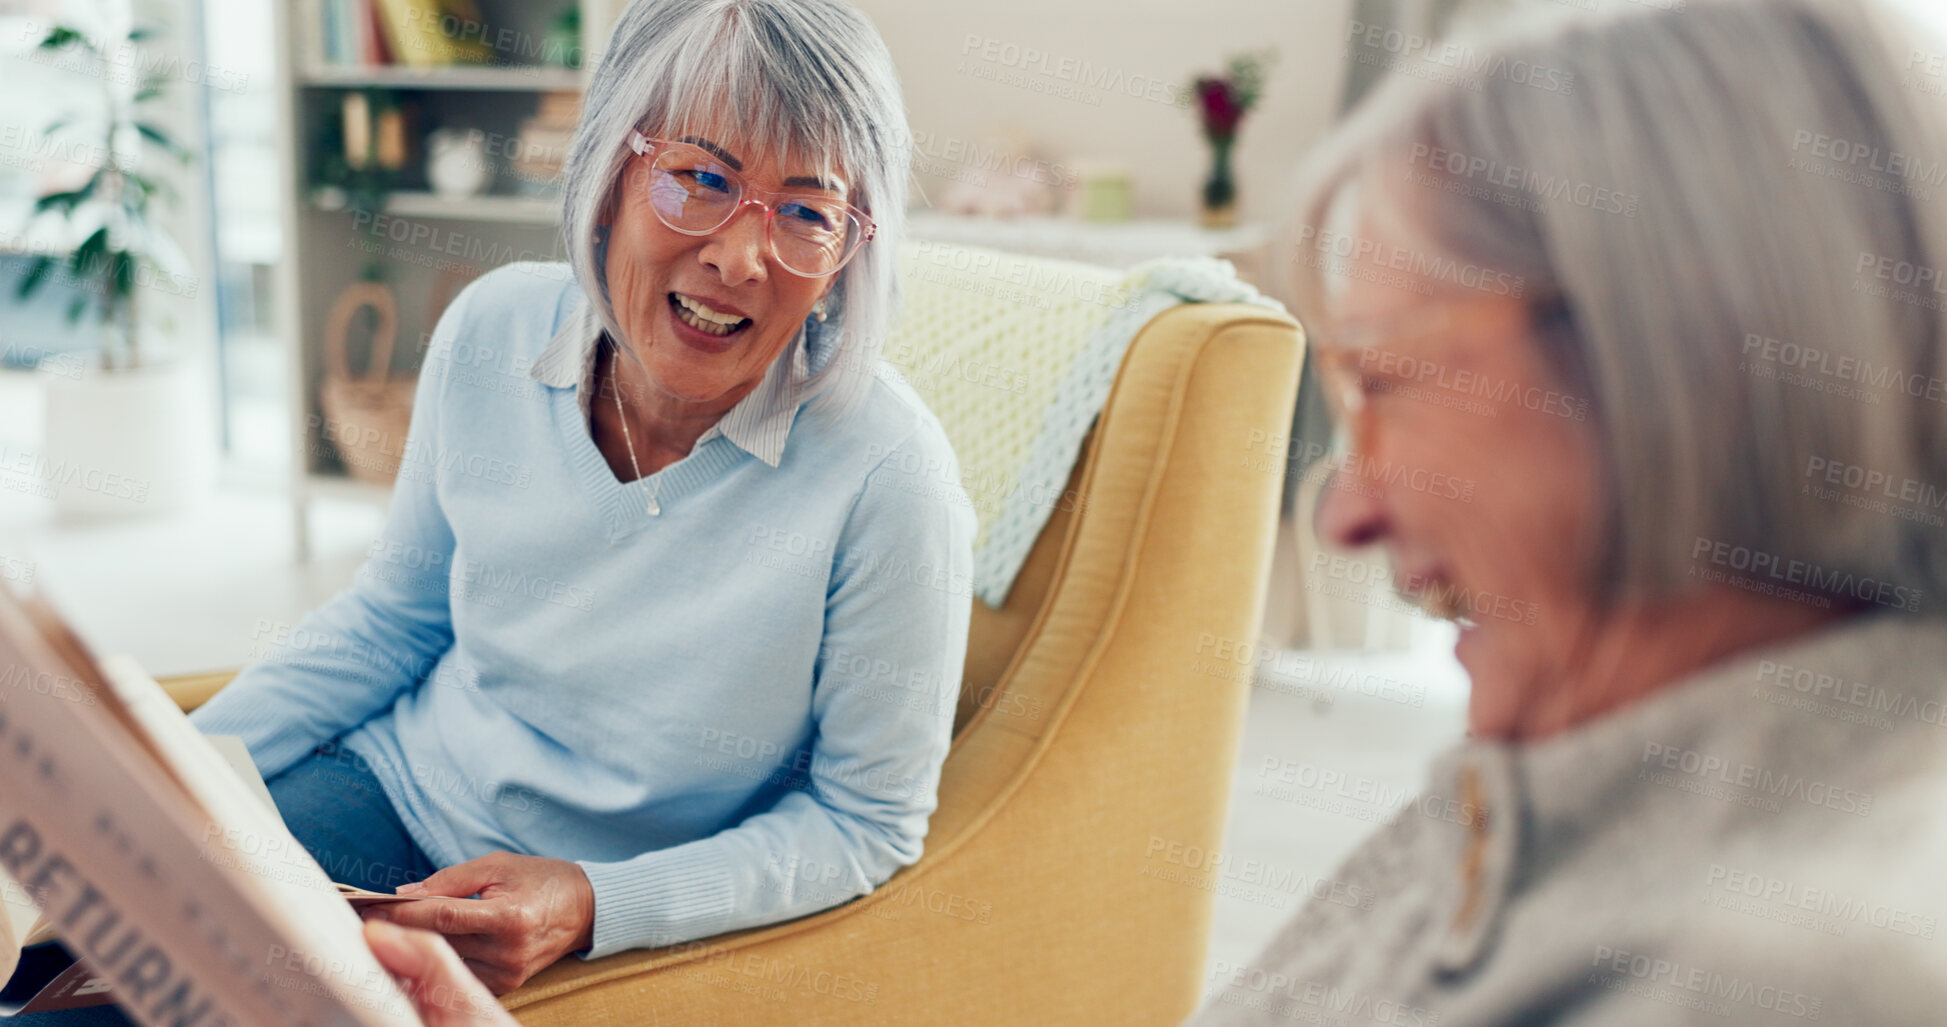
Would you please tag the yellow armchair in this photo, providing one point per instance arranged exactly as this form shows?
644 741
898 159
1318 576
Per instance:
1062 881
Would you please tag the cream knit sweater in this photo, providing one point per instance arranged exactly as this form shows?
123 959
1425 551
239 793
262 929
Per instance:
1763 843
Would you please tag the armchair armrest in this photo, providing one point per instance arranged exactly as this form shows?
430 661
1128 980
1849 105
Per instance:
193 690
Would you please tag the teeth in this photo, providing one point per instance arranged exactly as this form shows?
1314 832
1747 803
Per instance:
712 320
708 327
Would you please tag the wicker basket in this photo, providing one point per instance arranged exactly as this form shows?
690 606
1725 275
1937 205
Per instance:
366 417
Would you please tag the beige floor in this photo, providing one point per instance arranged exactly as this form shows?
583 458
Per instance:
185 593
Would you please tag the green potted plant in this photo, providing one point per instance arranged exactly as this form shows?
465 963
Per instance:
130 433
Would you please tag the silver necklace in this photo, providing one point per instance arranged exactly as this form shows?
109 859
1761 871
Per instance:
615 381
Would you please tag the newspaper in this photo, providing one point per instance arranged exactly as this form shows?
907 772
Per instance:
180 891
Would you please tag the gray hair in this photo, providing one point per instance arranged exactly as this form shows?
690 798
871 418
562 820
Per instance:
1673 201
803 79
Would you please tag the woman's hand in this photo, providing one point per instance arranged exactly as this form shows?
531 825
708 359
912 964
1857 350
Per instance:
531 912
443 993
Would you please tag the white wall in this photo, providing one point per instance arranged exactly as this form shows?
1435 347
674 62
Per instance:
1100 51
1147 47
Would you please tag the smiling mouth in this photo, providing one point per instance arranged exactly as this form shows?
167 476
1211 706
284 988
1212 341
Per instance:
705 318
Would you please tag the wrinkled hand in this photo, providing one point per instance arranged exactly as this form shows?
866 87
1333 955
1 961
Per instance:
443 993
531 912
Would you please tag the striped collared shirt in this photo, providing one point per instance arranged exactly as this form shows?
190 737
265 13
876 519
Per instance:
759 424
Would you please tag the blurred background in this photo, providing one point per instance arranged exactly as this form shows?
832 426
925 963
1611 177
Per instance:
227 224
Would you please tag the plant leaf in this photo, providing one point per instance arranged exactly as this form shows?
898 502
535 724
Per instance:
139 189
67 201
161 139
76 308
122 274
61 35
141 35
30 283
85 261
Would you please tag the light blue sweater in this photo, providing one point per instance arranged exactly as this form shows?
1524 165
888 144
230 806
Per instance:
730 713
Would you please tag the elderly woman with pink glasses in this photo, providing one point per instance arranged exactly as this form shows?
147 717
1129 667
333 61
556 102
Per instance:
639 657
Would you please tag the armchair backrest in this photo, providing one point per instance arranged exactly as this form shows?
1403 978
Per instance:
1020 320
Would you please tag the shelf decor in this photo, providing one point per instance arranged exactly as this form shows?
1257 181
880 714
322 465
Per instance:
1222 102
362 152
456 164
366 416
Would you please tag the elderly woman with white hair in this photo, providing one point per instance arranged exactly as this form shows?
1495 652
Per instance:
1699 575
641 655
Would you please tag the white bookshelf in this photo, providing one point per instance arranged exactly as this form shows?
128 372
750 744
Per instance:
460 78
512 210
327 246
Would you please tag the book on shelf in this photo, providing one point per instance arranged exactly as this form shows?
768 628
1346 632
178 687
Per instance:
349 35
372 46
417 32
331 34
412 33
157 859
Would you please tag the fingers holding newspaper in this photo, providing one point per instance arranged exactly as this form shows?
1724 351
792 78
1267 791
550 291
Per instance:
530 912
443 993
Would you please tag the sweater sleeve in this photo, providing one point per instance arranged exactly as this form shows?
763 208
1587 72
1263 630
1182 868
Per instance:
896 614
349 659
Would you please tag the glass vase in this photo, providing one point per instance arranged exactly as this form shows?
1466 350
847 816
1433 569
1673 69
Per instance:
1219 208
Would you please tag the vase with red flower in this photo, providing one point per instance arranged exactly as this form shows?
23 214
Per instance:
1222 101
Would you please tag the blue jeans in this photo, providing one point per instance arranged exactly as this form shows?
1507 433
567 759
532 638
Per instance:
334 806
